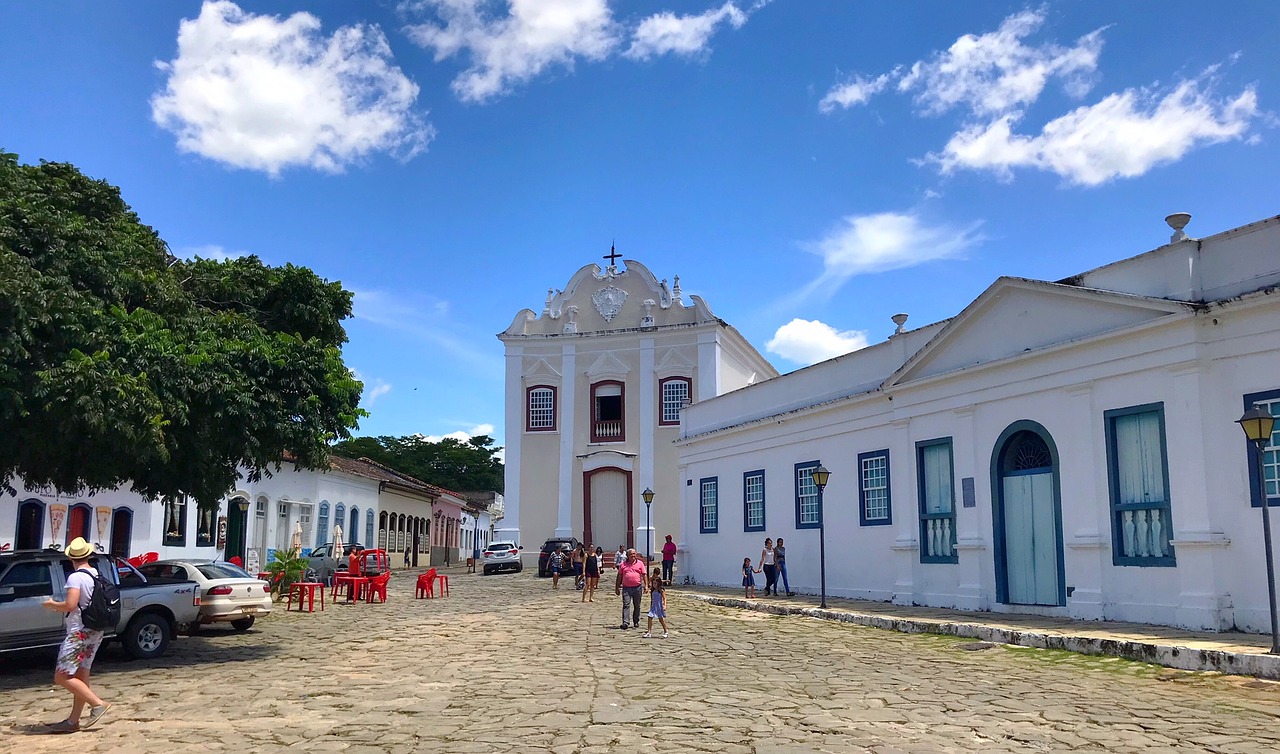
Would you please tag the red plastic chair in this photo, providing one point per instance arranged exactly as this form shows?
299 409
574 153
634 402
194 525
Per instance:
425 586
136 561
150 557
235 561
378 587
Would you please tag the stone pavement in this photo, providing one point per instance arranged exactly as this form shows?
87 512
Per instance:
506 664
1230 652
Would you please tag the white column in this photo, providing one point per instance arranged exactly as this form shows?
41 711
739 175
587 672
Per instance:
708 366
514 433
1086 529
971 545
568 399
648 421
906 515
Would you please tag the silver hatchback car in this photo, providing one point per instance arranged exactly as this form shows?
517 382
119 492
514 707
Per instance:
500 555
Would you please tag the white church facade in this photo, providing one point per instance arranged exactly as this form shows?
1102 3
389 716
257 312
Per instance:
1063 448
595 387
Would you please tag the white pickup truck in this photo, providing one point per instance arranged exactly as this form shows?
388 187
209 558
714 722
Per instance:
152 611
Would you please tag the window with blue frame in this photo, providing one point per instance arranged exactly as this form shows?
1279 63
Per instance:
1270 402
936 483
1138 476
709 505
322 528
808 513
368 527
340 519
753 501
874 506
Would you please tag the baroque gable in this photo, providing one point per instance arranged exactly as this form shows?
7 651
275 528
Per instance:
1016 316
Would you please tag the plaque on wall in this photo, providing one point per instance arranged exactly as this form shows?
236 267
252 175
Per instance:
967 494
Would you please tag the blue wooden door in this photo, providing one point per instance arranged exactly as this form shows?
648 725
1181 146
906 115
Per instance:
1030 539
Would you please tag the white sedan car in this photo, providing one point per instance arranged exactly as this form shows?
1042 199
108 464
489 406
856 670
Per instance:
228 594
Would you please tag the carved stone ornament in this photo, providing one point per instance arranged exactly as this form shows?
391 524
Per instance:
609 301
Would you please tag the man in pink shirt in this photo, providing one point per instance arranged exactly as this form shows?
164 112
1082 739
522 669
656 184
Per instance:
630 584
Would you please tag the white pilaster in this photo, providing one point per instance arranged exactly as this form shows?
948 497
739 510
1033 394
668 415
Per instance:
514 433
648 421
568 400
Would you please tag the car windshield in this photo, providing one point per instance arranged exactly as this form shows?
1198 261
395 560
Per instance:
222 571
494 547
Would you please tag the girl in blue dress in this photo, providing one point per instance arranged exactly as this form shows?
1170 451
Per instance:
657 604
748 580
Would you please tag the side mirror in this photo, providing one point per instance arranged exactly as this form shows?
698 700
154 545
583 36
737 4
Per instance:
6 591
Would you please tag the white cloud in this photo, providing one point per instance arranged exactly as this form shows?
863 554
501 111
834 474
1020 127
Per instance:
856 91
209 251
1123 136
521 39
373 389
462 435
810 341
425 319
988 74
993 78
265 93
534 35
995 72
887 241
666 32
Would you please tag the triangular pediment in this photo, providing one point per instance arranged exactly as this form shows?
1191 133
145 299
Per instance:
1016 316
674 362
541 372
607 365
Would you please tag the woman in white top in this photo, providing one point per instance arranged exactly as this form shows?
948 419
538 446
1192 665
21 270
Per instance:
770 567
75 657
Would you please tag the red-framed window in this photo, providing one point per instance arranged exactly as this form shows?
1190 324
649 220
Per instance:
540 411
674 393
608 419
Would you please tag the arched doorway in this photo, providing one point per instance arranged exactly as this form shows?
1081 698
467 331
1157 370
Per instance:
606 507
30 525
121 532
237 524
1027 515
78 519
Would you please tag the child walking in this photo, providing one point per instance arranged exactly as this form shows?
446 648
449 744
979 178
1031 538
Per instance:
748 580
657 604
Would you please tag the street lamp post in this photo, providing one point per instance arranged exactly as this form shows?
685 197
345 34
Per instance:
1258 424
820 477
648 532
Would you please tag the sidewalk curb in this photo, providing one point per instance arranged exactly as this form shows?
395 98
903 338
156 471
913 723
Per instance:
1169 655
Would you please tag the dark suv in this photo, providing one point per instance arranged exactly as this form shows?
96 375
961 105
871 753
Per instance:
565 544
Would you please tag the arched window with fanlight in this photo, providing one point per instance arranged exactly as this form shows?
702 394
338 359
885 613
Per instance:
368 528
382 530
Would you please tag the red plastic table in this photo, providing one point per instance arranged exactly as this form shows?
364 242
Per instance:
305 590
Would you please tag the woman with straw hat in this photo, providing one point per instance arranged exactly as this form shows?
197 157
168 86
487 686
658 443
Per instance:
81 644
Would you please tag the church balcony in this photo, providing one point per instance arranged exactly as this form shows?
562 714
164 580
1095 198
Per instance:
607 430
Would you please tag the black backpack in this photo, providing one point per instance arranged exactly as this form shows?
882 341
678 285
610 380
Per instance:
103 611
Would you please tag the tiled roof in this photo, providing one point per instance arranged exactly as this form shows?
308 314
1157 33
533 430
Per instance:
373 470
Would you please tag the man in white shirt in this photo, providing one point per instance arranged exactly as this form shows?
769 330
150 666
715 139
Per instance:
75 657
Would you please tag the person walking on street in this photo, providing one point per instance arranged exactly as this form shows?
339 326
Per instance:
780 557
657 604
630 584
668 560
619 557
748 580
770 568
555 561
591 576
579 566
75 656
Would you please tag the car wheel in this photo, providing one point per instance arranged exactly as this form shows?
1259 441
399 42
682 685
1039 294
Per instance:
519 568
487 570
243 624
147 636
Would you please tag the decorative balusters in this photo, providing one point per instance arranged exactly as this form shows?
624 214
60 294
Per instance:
946 537
937 540
1144 534
609 428
1127 520
1140 535
1158 549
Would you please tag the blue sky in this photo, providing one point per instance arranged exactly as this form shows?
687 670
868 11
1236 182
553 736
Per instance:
809 167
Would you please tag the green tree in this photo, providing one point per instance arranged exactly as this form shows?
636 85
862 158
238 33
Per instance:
120 364
449 463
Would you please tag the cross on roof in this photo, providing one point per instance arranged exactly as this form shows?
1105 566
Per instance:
612 256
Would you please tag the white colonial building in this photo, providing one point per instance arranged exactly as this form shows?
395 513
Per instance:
595 387
1062 448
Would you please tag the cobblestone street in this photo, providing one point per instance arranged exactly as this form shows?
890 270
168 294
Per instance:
506 664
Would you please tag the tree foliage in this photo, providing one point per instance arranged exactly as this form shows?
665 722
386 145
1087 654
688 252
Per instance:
120 364
449 463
